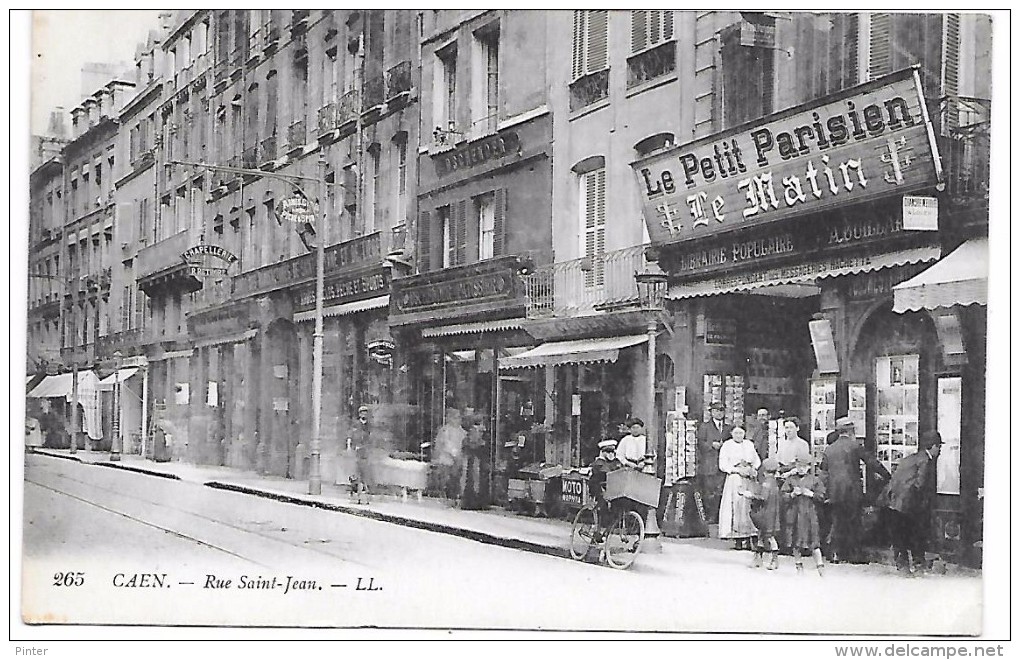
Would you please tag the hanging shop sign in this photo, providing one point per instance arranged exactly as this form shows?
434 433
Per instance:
195 254
295 209
920 213
867 142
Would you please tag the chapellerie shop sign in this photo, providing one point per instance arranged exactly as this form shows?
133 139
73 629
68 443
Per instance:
867 142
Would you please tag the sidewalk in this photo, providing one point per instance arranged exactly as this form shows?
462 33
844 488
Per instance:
549 536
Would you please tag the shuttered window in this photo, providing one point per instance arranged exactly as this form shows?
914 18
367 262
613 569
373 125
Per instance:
499 223
593 219
424 242
460 233
590 42
446 226
649 28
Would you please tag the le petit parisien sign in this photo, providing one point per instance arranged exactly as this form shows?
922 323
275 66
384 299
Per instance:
869 141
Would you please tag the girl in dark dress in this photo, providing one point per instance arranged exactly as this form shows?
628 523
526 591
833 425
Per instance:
765 498
802 493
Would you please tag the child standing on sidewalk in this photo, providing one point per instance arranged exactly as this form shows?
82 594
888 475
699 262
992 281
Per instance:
802 491
764 498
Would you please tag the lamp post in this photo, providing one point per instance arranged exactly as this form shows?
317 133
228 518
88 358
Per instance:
315 451
116 443
651 286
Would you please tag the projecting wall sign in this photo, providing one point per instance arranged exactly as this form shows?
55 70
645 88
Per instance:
869 141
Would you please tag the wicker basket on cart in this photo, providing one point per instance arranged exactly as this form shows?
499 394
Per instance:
633 485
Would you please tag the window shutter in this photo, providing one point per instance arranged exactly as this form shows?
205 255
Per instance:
424 244
880 62
595 225
499 222
667 24
460 232
578 51
951 66
638 30
598 41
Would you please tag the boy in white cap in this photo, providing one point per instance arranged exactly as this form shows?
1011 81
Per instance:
605 463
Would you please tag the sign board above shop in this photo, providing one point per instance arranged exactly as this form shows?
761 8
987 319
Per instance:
870 141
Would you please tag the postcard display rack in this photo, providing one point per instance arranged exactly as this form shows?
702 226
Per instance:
896 384
729 389
823 413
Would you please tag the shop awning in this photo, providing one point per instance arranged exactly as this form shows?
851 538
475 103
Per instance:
343 309
577 351
106 384
469 328
961 278
803 273
62 385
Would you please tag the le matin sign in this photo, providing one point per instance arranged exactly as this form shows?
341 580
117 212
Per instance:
867 142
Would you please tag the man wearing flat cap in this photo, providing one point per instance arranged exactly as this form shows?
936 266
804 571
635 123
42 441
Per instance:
908 501
841 468
711 435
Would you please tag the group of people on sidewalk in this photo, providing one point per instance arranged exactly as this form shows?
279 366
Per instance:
788 503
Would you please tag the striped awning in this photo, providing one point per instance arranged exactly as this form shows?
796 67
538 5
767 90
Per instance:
803 273
469 328
343 309
961 278
576 351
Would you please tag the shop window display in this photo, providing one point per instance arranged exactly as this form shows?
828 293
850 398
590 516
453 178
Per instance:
896 383
823 413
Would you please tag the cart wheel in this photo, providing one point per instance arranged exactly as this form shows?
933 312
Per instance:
582 533
624 540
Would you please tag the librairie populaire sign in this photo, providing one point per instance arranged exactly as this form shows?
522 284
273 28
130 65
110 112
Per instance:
869 141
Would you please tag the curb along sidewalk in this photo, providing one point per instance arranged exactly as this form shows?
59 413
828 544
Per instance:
494 527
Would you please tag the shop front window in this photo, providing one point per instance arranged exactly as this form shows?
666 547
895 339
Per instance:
950 390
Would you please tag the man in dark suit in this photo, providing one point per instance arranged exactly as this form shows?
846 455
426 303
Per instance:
908 501
710 436
841 465
760 433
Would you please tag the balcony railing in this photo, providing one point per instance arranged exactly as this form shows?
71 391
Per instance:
165 253
375 91
347 108
296 135
268 150
250 157
398 79
327 118
589 89
125 341
965 147
584 286
651 64
213 293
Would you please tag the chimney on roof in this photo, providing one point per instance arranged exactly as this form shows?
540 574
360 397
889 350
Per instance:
166 21
57 128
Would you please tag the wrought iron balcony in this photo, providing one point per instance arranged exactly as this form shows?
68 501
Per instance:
296 135
589 89
585 286
268 150
651 64
375 91
327 118
398 79
347 108
250 157
965 147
